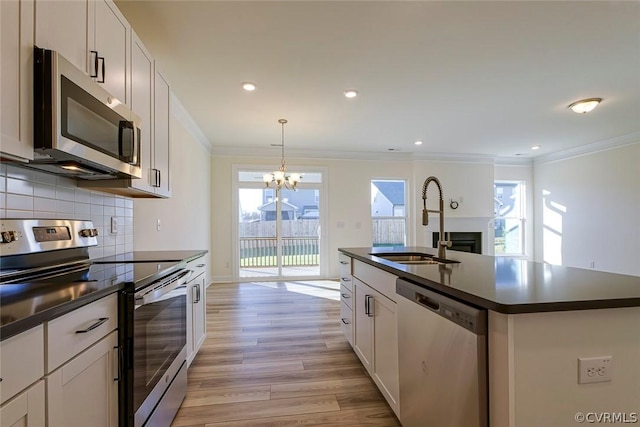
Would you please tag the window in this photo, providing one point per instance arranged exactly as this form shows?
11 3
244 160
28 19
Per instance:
388 212
509 209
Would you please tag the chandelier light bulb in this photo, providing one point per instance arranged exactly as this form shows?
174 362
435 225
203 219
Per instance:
280 177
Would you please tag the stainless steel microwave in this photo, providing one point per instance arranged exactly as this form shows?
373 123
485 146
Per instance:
80 130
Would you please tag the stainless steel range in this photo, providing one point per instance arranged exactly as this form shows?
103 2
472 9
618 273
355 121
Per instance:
45 271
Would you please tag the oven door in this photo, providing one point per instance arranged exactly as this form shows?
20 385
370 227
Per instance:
159 339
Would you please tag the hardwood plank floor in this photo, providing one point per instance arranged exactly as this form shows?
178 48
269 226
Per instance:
275 357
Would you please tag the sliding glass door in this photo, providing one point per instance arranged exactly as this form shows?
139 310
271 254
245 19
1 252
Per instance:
278 231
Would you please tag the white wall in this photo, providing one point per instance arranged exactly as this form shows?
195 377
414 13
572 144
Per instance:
185 217
349 203
587 210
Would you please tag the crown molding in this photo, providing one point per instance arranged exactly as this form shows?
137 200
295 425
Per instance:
183 116
514 161
583 150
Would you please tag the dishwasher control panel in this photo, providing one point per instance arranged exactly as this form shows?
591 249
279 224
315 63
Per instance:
469 317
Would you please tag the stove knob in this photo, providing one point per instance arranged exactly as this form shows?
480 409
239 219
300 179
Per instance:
85 232
94 232
9 236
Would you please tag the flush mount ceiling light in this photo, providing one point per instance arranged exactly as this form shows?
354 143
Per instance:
248 86
350 93
535 147
418 143
585 105
280 178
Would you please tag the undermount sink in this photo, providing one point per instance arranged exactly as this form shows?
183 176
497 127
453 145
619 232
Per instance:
413 258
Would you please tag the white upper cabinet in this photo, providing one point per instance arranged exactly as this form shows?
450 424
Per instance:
16 79
142 105
92 34
161 146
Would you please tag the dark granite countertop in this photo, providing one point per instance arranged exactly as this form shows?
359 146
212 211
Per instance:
510 285
153 256
26 305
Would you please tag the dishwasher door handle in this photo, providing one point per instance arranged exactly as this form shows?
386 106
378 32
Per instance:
427 302
367 305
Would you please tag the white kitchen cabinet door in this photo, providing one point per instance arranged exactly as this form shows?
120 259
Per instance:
111 31
83 31
363 328
84 391
142 105
161 145
25 410
385 349
63 26
16 78
196 316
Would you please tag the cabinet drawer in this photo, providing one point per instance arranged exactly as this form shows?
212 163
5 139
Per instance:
22 363
378 279
347 282
346 322
345 265
198 266
346 296
70 334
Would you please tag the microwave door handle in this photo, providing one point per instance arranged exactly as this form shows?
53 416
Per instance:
157 295
136 144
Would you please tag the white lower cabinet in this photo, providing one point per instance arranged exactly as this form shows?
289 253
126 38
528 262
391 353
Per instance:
375 337
84 391
196 308
26 409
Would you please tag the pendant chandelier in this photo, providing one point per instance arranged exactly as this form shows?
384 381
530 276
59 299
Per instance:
280 178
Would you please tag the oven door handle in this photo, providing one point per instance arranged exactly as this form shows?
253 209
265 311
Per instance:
158 293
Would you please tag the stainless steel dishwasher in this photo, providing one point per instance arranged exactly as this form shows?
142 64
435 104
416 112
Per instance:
442 358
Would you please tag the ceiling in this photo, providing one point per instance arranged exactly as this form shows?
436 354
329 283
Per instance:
467 78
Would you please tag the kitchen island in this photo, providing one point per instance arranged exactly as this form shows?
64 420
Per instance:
541 319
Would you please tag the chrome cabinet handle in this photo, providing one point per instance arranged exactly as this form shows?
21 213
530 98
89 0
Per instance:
100 321
345 296
198 292
94 72
367 305
119 362
101 58
344 262
345 321
345 279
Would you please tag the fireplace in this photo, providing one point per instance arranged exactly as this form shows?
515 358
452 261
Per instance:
462 241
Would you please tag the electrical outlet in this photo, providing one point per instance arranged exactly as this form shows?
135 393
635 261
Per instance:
158 225
114 225
595 369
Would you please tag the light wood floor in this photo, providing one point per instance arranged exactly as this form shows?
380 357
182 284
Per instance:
275 356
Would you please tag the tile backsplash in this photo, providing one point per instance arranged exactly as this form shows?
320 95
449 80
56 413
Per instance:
27 193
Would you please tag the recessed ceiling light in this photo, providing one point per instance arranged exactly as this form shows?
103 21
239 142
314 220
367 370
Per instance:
535 147
418 143
585 105
350 93
248 86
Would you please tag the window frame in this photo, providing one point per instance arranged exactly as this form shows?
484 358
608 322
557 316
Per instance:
405 217
522 219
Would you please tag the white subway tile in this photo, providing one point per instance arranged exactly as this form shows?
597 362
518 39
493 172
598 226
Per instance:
44 205
128 213
3 200
18 186
67 194
19 173
119 212
64 207
97 198
44 190
3 169
128 247
3 183
128 221
63 181
97 220
109 200
95 252
18 214
19 202
3 213
46 215
128 203
119 202
97 209
109 250
82 209
43 178
128 239
120 239
83 196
